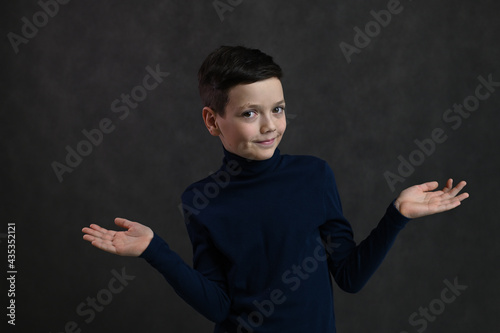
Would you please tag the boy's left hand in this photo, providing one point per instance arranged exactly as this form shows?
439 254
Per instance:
418 200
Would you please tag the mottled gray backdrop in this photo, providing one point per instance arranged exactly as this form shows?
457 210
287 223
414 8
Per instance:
368 92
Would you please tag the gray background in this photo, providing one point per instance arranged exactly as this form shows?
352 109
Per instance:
359 116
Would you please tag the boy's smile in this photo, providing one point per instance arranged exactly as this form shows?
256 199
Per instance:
254 119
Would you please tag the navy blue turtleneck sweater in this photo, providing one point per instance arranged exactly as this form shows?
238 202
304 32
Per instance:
267 238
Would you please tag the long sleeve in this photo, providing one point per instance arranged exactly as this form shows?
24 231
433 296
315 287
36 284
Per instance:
206 296
352 265
259 263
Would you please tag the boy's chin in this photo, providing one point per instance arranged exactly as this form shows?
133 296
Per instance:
255 153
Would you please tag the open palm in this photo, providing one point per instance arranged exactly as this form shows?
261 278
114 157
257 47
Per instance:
422 200
131 242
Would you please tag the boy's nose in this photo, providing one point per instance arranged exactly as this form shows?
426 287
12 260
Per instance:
267 125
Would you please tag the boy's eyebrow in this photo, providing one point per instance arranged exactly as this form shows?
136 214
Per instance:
257 106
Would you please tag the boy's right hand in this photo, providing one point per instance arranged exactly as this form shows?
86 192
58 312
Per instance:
131 242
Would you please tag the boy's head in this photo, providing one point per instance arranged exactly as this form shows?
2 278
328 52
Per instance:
229 66
244 103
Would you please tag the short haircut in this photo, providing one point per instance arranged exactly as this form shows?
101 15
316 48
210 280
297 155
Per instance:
229 66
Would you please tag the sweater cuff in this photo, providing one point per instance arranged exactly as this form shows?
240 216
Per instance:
397 219
156 243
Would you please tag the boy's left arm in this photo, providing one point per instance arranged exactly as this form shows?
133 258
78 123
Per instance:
352 265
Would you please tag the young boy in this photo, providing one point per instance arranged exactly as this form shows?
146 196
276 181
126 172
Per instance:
267 229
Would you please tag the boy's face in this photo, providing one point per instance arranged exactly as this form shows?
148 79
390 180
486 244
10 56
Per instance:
254 121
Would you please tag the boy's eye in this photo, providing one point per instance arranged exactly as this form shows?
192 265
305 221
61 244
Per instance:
279 109
249 114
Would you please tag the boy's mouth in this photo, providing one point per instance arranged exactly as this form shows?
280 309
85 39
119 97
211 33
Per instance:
266 142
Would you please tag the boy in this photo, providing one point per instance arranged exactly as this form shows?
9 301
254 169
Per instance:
267 229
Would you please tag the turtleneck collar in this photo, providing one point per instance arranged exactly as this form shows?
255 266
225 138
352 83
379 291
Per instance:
243 167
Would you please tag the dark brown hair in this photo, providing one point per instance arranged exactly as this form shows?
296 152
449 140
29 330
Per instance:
229 66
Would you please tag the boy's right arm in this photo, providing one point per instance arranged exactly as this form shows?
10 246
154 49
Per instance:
206 293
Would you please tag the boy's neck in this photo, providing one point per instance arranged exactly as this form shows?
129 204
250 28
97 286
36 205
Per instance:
240 166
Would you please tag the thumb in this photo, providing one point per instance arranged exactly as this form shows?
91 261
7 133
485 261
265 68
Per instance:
124 223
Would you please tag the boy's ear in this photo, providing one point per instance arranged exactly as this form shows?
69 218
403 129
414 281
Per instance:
210 119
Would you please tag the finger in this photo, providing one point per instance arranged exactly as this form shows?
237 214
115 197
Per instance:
429 186
98 228
462 196
89 238
95 237
92 232
99 232
453 202
451 205
454 191
446 205
93 227
99 243
448 186
124 223
104 245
